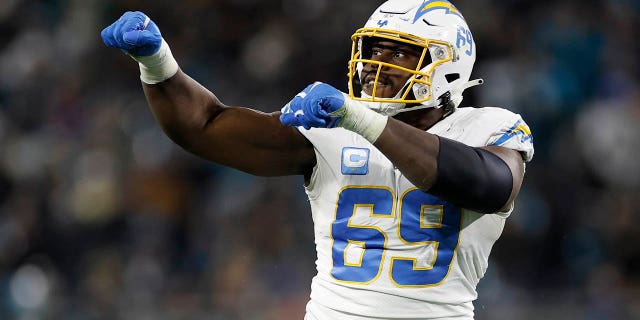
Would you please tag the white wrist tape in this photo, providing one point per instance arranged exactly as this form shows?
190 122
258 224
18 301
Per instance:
159 66
357 117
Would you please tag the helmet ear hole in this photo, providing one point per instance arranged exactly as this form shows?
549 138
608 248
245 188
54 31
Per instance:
451 77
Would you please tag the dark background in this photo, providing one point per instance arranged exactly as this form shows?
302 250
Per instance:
102 217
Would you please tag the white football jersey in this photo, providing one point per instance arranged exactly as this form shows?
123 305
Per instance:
388 250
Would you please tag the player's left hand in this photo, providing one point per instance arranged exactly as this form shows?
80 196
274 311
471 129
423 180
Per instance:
134 33
317 106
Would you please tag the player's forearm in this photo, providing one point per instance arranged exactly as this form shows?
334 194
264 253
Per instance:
182 107
412 151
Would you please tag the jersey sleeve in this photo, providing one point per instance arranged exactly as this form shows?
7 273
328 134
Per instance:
514 134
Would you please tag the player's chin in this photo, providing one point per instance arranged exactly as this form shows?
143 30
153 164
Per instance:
382 91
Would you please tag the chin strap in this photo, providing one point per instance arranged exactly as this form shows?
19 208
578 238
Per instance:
450 100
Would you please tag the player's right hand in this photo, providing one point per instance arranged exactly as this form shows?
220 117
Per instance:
317 106
134 33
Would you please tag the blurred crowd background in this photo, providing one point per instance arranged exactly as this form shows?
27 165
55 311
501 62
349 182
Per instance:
102 217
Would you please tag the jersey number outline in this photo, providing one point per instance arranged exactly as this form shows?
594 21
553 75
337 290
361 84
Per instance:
424 220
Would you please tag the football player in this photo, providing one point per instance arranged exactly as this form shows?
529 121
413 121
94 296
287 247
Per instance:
408 190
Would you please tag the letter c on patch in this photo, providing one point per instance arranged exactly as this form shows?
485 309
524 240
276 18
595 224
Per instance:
355 161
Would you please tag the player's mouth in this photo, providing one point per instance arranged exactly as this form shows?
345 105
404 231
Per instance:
383 86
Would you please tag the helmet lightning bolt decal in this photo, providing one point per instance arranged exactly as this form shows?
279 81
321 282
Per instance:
431 5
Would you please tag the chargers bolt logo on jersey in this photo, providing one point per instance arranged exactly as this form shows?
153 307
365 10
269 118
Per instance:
519 129
355 161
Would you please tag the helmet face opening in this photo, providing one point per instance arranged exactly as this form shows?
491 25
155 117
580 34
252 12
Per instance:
418 86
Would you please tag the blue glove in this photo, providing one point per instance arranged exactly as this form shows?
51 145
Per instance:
134 33
316 106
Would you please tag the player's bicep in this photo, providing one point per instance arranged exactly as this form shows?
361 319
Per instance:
513 159
255 142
